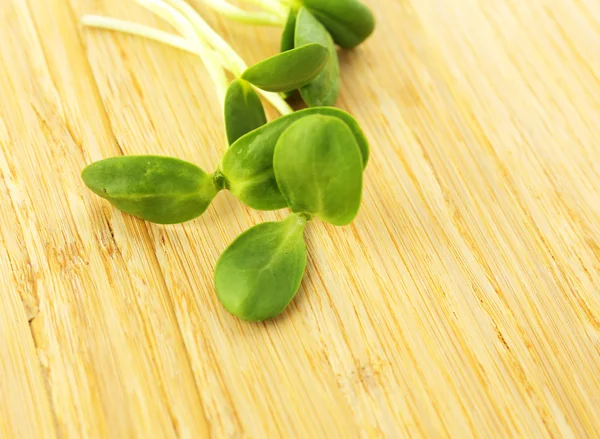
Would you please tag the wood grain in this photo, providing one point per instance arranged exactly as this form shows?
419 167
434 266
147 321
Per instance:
463 302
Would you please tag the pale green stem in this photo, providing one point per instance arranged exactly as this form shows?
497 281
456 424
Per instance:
179 21
233 62
276 101
160 36
170 15
276 7
129 27
238 14
199 35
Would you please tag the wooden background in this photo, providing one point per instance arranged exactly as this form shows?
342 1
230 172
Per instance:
463 302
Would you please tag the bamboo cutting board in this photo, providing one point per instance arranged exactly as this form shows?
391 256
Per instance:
463 302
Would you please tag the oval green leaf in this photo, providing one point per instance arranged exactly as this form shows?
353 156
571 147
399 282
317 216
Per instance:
244 111
319 170
350 22
259 274
325 88
289 70
248 163
161 190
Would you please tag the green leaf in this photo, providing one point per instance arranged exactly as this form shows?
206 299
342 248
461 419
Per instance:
350 22
248 163
325 88
158 189
244 111
287 37
259 274
289 70
319 170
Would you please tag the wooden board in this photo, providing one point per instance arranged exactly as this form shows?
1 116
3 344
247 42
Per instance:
463 302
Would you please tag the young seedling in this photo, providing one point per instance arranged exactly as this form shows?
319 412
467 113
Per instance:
311 161
347 23
350 22
318 167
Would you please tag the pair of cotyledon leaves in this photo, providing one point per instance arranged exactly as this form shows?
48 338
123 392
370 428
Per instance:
310 65
301 160
277 165
311 161
248 165
318 166
309 62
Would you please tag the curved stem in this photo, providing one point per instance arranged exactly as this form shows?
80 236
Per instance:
180 22
235 13
276 101
235 64
172 17
199 37
276 7
131 28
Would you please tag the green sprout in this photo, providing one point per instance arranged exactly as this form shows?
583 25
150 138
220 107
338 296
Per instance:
310 161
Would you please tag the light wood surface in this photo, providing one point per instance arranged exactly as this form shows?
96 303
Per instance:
463 302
